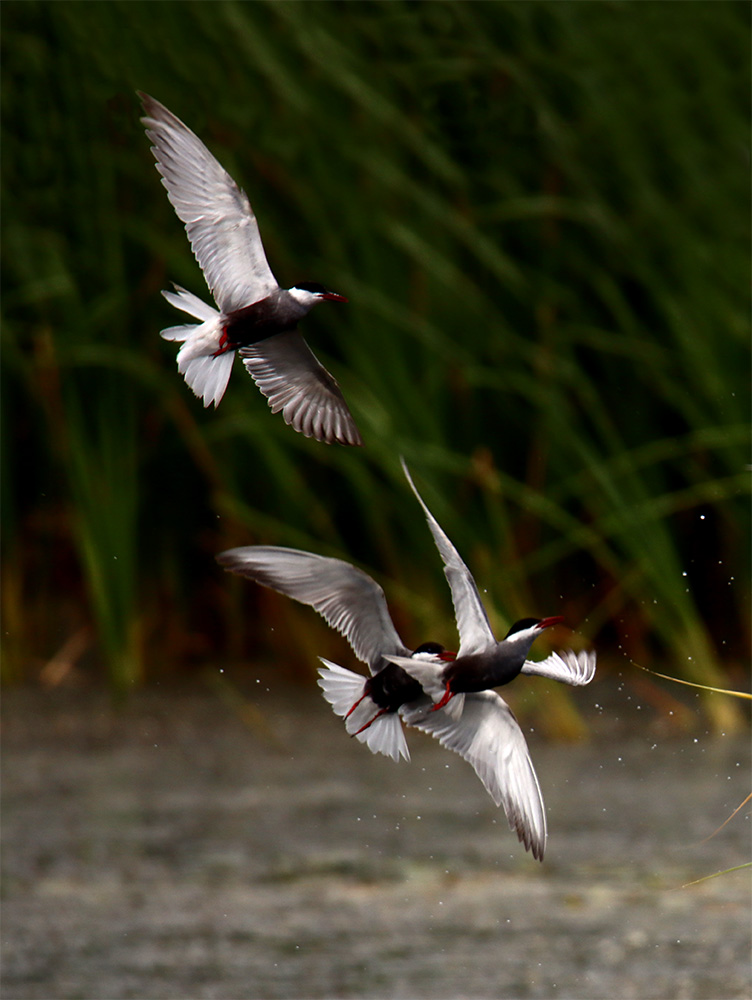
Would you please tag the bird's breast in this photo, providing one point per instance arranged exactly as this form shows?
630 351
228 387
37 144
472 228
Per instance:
258 321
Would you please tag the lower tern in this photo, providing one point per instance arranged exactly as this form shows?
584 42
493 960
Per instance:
439 692
353 603
256 317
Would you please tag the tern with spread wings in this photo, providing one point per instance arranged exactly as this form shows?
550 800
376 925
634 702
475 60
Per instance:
353 603
425 688
256 317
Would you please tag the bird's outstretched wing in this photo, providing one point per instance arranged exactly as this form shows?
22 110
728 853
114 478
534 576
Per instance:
572 668
288 373
346 597
488 736
218 217
472 621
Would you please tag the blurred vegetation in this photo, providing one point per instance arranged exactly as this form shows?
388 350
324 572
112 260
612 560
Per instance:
540 215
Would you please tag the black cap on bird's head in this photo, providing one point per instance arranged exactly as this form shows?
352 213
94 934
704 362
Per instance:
532 626
434 649
319 291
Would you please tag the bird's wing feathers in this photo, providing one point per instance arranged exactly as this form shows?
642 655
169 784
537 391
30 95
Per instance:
346 597
472 621
573 668
489 738
288 373
218 217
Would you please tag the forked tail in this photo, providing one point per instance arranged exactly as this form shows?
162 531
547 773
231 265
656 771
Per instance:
205 370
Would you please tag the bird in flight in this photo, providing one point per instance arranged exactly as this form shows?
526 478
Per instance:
255 316
444 694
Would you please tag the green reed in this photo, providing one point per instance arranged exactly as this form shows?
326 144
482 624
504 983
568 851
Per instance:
539 213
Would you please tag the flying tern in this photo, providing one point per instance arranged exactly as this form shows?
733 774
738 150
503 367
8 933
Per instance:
439 692
256 317
351 602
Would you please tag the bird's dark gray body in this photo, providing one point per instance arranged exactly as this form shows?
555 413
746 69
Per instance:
277 313
497 665
392 687
481 671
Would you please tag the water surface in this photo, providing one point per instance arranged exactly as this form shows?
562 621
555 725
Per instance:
173 851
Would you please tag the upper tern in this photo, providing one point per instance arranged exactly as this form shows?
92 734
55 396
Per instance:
481 662
255 317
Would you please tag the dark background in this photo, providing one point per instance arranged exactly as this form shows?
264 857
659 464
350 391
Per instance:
540 215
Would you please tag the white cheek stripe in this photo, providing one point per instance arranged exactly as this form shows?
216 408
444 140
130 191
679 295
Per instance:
524 633
303 296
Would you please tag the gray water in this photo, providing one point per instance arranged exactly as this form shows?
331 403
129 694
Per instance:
175 850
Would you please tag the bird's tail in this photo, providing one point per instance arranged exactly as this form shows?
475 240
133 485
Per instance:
189 303
205 371
342 689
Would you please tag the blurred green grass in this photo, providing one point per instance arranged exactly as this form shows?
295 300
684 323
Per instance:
540 215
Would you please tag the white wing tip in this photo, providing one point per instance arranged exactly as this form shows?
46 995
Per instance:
582 665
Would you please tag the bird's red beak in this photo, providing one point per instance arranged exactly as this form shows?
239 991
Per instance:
333 297
548 622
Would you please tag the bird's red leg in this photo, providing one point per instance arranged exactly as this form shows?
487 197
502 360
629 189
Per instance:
356 704
448 695
224 344
383 711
